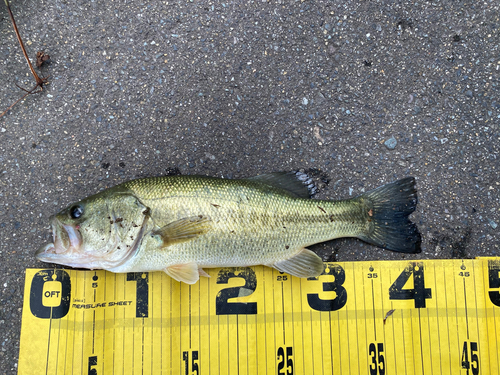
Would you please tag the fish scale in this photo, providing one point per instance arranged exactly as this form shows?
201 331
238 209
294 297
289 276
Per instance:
251 225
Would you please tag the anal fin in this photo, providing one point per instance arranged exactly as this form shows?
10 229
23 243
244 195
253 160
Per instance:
203 273
303 264
187 273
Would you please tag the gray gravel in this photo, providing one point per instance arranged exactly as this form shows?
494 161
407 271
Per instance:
241 88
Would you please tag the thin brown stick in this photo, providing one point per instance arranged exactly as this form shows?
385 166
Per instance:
32 91
17 101
39 81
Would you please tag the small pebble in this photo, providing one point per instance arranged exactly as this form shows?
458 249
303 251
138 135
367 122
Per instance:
391 143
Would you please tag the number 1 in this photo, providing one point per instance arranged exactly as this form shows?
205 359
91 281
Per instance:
141 293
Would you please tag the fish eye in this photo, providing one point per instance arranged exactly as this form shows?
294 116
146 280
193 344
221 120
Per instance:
76 212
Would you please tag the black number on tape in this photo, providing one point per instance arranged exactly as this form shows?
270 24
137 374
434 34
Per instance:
281 277
473 364
92 363
340 299
419 293
281 361
50 294
194 362
222 306
377 359
141 292
494 281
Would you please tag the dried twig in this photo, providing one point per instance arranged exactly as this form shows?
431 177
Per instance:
39 81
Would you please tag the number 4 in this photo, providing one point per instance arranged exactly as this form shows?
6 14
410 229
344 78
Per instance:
419 293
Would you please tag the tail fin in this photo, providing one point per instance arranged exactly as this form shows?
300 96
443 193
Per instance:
391 205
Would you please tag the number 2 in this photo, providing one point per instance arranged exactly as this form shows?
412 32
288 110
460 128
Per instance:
222 306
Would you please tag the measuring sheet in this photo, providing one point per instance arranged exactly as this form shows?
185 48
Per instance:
374 318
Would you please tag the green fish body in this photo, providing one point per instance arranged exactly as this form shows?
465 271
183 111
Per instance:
181 224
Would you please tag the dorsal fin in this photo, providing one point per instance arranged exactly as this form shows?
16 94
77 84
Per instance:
297 183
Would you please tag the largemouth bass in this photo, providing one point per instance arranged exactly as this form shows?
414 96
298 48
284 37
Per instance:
181 224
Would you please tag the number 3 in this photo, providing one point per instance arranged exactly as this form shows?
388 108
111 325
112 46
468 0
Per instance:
340 299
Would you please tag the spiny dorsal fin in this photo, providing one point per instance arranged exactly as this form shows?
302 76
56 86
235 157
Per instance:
183 230
297 183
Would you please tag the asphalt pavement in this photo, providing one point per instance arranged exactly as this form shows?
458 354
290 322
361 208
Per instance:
364 91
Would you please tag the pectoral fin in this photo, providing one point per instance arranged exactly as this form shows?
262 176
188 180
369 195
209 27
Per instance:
303 264
183 230
187 273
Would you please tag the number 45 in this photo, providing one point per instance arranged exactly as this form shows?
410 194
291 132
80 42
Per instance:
473 358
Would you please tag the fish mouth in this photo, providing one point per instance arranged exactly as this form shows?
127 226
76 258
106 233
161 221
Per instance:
66 242
67 248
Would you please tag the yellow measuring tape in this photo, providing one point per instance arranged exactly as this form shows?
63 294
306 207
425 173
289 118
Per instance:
374 318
